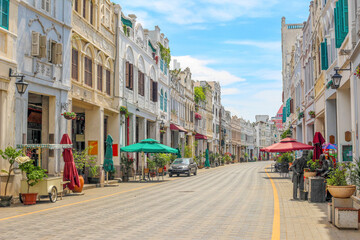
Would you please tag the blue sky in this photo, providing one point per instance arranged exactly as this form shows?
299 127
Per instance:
235 42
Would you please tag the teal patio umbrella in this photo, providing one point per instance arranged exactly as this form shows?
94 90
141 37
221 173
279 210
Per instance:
207 163
149 146
108 161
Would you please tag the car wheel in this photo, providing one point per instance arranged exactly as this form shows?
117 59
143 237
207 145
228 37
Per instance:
170 175
189 172
195 172
178 174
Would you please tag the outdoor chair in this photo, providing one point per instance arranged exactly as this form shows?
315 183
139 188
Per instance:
160 173
284 170
146 174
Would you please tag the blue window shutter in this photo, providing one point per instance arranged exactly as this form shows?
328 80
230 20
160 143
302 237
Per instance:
4 14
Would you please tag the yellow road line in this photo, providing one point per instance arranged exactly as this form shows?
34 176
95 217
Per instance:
276 220
76 203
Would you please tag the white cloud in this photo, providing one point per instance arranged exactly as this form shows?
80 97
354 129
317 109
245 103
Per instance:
264 45
201 71
200 11
229 91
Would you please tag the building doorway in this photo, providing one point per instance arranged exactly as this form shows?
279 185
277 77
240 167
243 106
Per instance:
78 132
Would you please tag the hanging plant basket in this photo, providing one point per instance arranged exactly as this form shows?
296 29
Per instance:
357 72
124 110
69 115
312 114
162 131
301 115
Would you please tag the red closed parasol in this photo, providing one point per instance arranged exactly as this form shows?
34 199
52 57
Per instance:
287 145
70 171
318 141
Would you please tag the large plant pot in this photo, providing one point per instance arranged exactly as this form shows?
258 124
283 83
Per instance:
341 191
79 189
5 201
29 198
309 174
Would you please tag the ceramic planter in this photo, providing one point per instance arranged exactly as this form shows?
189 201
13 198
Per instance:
5 201
342 191
28 198
79 189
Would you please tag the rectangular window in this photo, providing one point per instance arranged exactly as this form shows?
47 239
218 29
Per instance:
76 2
129 75
151 90
141 87
88 71
108 82
99 77
4 14
84 8
91 13
45 5
75 64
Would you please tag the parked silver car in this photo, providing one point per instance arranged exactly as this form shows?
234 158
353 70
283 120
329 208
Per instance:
183 166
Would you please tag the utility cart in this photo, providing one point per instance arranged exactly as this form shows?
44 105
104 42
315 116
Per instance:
49 187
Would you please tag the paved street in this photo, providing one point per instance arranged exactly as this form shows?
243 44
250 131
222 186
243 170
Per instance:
231 202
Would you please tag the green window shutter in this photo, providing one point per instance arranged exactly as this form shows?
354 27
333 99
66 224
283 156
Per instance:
345 9
324 58
337 26
4 14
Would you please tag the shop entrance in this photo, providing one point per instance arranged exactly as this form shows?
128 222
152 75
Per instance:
78 132
37 124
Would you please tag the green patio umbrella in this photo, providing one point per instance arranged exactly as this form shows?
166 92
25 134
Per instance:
149 146
207 163
108 162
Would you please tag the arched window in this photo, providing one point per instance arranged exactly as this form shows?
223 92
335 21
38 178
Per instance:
161 100
165 103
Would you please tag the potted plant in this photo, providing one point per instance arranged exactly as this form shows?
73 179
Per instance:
312 114
357 72
246 155
337 184
312 165
69 115
82 161
93 177
34 175
152 167
233 158
301 115
10 154
124 110
126 164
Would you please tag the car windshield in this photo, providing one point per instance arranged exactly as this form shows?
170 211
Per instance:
181 161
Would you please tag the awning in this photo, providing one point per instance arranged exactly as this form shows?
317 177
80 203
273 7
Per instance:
175 127
200 136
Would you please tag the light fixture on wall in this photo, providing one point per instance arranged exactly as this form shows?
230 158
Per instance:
21 85
336 78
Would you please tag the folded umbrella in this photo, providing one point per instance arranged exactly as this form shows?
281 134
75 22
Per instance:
70 171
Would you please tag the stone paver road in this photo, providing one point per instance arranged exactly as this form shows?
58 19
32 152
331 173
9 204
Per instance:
231 202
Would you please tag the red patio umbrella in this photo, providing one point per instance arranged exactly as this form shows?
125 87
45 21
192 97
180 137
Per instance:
288 145
70 171
318 141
